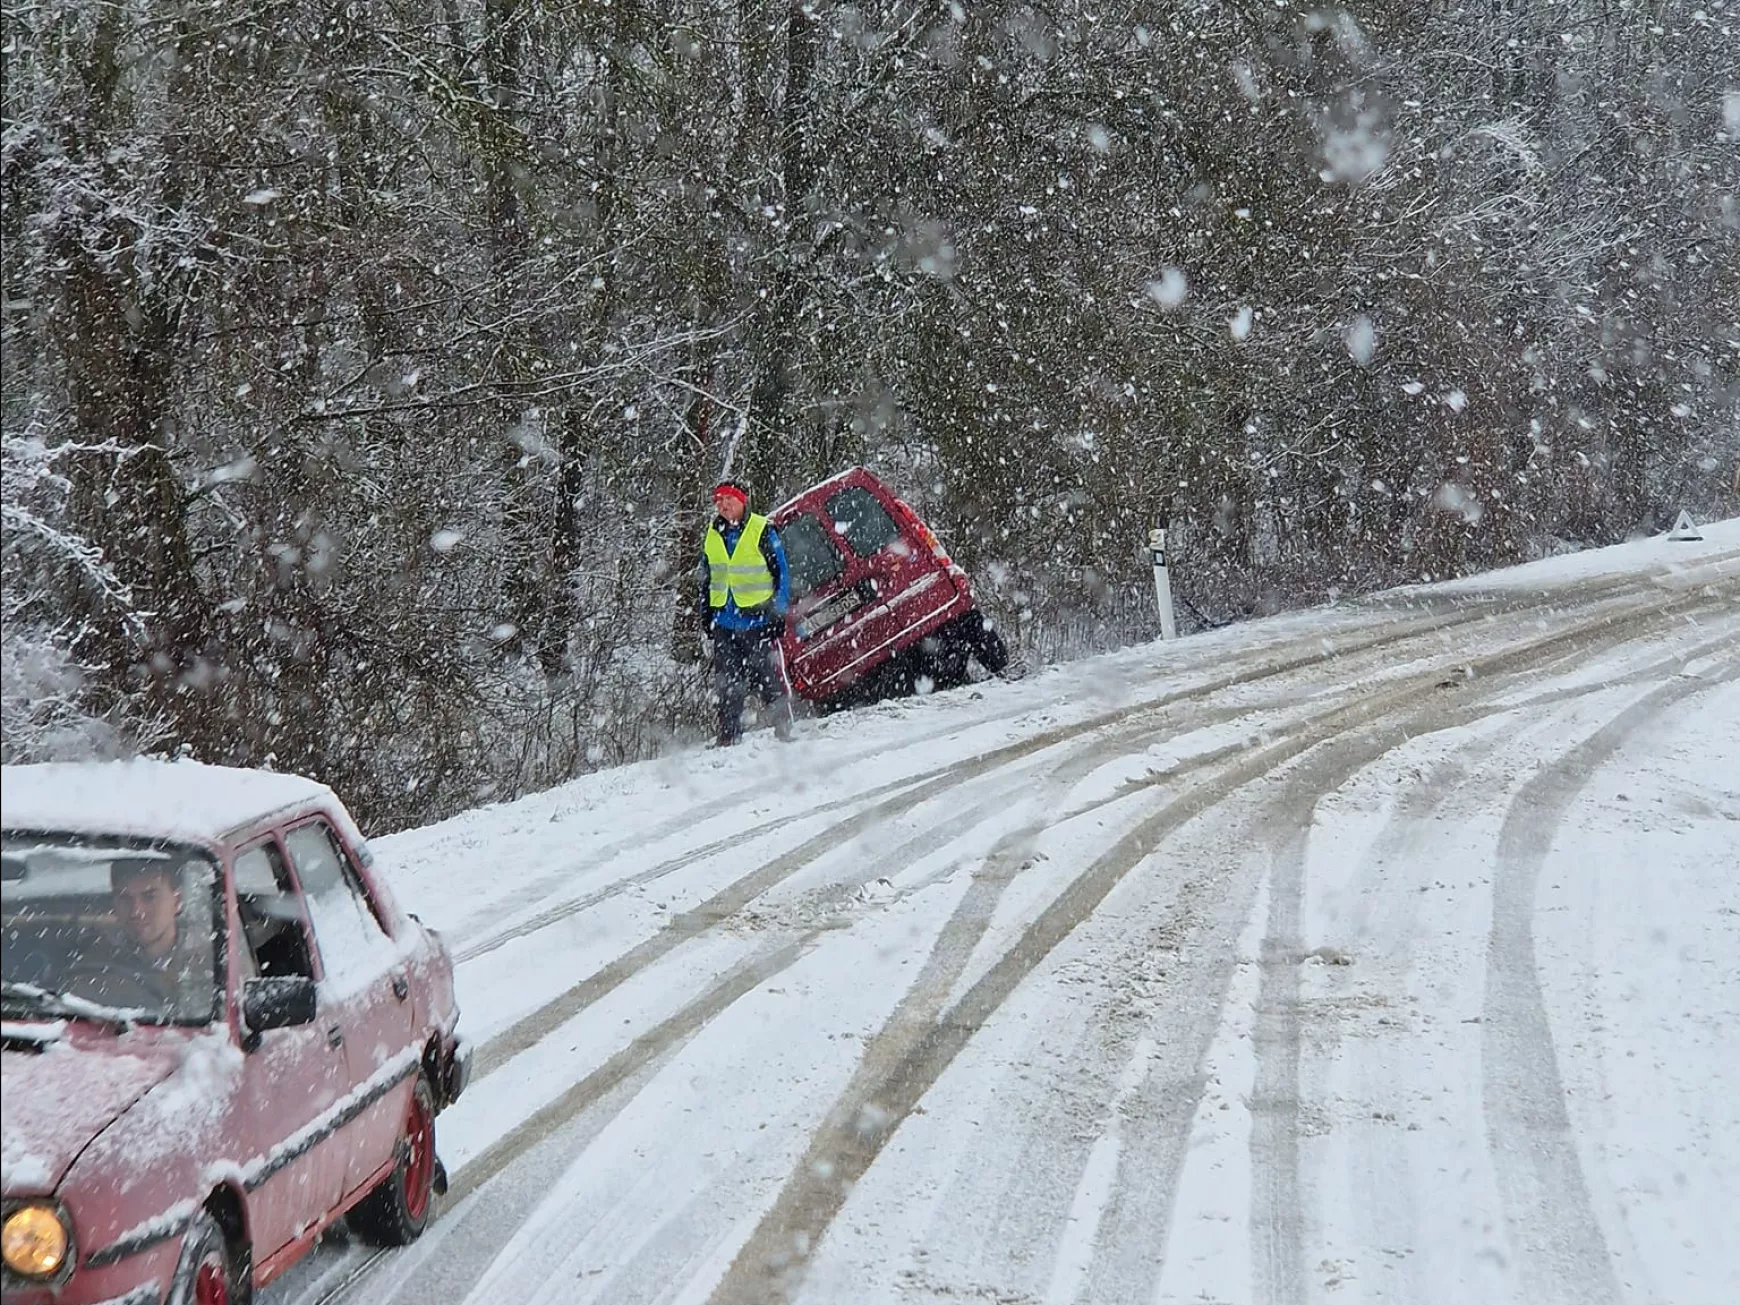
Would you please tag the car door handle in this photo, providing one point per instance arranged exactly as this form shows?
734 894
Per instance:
401 987
335 1036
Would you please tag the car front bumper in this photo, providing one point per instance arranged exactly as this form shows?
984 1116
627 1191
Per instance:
137 1280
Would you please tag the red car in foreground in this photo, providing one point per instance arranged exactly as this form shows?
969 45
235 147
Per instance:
877 604
221 1034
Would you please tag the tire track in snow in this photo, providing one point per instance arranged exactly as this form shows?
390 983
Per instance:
1278 1271
1562 1253
655 1042
906 795
1381 930
710 1004
1277 1205
717 847
903 1061
1250 667
723 906
668 1036
484 931
1374 913
1277 1245
906 1058
1002 865
1380 916
479 939
670 1033
1159 1134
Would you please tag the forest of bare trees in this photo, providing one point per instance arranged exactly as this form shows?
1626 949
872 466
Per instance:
366 362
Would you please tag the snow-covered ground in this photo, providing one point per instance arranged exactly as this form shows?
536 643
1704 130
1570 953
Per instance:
1380 952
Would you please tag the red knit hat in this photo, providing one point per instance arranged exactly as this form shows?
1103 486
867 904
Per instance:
729 489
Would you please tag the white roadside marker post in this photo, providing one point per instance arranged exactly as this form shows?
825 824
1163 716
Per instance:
1162 583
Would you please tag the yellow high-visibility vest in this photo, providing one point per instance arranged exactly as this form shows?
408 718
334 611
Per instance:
741 573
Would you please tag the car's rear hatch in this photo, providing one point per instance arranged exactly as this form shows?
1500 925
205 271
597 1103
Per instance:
868 581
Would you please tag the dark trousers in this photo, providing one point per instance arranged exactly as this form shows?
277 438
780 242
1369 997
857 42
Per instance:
745 662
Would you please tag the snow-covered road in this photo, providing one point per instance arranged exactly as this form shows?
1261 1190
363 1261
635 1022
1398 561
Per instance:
1379 952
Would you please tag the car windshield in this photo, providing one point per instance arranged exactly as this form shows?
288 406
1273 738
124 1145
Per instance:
108 928
810 555
862 520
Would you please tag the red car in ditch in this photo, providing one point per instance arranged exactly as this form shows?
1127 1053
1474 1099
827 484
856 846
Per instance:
221 1034
877 604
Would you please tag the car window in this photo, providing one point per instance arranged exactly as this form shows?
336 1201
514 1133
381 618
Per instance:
865 523
809 554
99 927
353 946
274 925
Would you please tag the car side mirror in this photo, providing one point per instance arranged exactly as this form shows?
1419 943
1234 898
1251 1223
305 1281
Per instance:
280 1002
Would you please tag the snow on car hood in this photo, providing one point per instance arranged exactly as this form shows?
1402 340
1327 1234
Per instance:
60 1098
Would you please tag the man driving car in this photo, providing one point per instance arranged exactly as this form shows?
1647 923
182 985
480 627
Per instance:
157 946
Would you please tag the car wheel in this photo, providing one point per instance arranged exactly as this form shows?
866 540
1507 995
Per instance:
945 660
988 645
205 1274
397 1211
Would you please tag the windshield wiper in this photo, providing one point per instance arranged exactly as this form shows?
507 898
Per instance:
41 1001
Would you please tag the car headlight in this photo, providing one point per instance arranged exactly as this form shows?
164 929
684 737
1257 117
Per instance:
34 1241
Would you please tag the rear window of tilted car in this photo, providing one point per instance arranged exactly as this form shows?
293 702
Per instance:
863 521
810 555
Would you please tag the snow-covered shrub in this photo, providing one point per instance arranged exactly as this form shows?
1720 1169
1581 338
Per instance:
48 710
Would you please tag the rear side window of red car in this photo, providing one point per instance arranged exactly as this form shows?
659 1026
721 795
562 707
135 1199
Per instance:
810 555
353 946
865 523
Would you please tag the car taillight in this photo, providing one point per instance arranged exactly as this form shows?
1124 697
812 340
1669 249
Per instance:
926 535
934 544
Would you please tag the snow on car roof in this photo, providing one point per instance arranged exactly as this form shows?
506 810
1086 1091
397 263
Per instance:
157 799
819 486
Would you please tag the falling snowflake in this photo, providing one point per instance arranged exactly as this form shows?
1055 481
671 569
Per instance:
1452 497
243 468
1354 154
1361 340
1170 288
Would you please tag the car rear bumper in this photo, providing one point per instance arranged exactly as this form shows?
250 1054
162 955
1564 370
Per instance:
833 663
455 1070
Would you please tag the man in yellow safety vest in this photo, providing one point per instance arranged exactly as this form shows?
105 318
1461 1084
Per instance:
746 588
